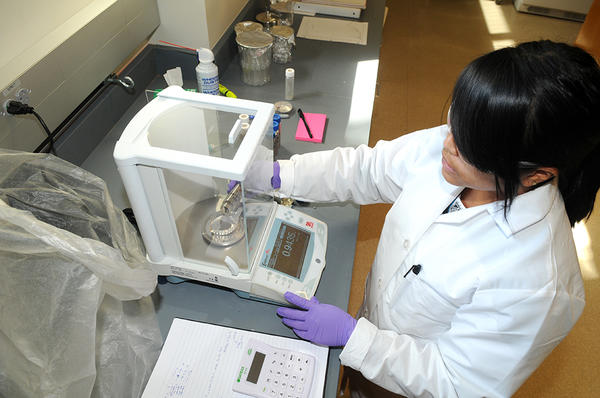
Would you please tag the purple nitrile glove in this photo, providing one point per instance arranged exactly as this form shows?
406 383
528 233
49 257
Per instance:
262 176
231 185
276 179
323 324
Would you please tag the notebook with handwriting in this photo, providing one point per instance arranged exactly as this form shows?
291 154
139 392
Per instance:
201 360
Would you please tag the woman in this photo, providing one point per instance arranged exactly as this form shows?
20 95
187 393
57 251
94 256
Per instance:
476 277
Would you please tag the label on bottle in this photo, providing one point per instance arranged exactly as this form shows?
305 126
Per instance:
210 85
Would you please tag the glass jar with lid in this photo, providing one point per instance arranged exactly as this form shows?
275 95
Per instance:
255 50
283 41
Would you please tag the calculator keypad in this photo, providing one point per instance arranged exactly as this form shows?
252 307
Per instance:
288 374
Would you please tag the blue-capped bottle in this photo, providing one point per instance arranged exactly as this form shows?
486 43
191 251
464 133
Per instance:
276 135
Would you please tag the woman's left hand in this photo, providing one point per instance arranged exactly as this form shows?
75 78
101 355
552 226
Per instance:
323 324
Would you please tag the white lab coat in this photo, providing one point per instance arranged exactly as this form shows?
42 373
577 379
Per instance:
494 295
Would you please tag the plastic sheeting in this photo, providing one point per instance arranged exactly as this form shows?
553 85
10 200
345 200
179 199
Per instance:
76 319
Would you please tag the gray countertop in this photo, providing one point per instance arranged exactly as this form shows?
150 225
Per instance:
333 78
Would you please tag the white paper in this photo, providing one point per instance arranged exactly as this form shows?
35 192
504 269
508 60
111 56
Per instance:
174 77
338 30
201 360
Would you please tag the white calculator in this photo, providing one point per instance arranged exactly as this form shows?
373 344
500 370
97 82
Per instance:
267 371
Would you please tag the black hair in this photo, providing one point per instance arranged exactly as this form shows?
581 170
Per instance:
534 104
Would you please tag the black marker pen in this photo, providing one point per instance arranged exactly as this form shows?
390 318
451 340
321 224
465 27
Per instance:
415 269
301 114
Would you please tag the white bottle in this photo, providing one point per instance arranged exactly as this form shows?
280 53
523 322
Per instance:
289 84
207 72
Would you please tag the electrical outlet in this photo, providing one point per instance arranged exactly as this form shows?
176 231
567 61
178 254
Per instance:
3 111
13 92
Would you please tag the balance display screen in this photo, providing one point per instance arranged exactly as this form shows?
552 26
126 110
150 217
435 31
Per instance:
255 368
289 250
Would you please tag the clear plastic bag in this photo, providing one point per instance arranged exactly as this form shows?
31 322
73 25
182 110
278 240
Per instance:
76 319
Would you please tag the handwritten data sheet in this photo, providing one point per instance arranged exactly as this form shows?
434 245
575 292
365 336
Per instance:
201 360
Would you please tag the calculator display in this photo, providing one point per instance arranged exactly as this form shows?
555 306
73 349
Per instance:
255 368
289 250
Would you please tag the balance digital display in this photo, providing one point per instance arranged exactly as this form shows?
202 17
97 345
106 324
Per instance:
289 250
291 255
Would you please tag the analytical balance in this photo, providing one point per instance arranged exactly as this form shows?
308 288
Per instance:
180 158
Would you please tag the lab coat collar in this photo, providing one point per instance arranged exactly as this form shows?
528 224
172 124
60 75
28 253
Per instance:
526 209
447 191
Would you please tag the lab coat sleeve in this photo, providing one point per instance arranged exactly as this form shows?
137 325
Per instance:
493 345
363 175
397 362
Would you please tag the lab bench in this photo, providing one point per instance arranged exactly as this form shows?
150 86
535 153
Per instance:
337 79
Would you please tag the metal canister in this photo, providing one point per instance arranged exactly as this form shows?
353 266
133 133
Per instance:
283 41
255 50
267 19
247 26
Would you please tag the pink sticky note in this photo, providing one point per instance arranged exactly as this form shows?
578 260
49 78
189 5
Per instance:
316 122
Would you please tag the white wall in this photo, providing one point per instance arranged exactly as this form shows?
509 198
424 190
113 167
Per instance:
65 49
222 13
30 32
195 23
182 22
